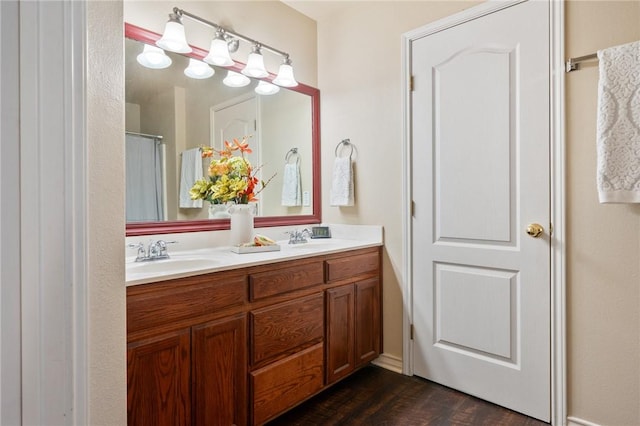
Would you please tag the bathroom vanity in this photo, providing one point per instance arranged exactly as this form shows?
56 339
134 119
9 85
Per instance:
244 343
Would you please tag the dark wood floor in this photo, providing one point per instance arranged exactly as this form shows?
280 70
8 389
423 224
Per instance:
375 396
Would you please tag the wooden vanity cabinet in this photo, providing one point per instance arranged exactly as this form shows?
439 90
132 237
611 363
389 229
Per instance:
187 351
353 317
241 347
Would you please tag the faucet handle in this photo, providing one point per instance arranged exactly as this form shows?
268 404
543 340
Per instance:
162 247
141 251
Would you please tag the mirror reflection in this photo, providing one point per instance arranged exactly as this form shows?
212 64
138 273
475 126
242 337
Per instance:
169 116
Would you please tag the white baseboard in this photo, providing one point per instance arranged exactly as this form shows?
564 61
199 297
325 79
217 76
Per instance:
574 421
389 362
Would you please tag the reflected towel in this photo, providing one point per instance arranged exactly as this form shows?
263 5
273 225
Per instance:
291 186
190 172
342 183
618 127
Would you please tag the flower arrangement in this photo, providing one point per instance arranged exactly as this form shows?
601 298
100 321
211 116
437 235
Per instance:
231 178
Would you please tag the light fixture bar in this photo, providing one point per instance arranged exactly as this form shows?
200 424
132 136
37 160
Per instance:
182 12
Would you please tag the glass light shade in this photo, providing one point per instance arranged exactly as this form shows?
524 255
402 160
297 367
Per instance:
153 57
173 38
264 88
219 53
198 69
234 79
285 76
255 66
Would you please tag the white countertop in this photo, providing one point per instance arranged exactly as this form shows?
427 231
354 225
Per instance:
194 259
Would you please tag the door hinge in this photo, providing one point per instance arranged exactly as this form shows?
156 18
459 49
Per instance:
411 84
255 125
411 332
413 208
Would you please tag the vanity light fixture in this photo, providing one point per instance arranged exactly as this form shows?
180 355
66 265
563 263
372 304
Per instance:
219 51
198 69
173 38
285 76
153 57
234 79
264 88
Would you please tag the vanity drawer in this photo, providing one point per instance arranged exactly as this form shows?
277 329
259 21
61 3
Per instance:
284 328
283 384
278 281
163 303
352 266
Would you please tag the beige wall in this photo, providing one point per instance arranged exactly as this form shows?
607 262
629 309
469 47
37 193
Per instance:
106 327
603 240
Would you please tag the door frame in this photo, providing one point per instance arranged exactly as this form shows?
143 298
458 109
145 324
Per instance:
557 190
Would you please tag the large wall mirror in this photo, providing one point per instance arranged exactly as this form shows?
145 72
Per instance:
169 115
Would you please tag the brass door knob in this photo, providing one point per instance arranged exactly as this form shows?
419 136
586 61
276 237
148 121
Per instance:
535 230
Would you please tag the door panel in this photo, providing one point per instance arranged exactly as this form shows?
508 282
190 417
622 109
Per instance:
480 174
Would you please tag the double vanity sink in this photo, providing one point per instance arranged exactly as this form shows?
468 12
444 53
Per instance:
217 338
185 263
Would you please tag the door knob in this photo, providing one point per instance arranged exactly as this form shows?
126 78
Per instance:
535 230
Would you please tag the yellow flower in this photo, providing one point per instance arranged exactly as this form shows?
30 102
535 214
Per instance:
231 178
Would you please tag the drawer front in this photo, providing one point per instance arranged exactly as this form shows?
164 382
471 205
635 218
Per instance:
352 266
271 283
282 329
283 384
163 303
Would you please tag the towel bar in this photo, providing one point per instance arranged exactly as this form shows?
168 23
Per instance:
574 63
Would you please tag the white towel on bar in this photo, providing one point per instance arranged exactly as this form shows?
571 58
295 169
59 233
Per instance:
342 183
190 172
618 127
291 186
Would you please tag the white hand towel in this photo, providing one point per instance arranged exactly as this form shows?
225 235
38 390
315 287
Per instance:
190 172
618 127
342 183
291 186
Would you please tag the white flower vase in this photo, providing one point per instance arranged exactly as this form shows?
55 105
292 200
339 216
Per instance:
219 211
241 223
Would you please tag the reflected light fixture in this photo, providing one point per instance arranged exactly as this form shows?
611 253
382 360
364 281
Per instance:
219 52
224 41
234 79
153 57
285 76
255 64
173 39
264 88
198 69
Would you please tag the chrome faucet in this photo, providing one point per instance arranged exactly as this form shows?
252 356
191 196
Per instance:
298 237
155 251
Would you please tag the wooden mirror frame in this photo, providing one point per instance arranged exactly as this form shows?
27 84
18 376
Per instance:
178 226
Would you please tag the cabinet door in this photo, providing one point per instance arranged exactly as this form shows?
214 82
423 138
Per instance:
367 321
219 356
340 332
158 380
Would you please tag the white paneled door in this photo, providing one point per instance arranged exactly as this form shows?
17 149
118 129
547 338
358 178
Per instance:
480 184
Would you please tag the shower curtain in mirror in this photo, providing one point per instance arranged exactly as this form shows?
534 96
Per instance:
144 168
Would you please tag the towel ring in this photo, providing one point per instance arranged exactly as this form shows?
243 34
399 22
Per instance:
291 153
344 142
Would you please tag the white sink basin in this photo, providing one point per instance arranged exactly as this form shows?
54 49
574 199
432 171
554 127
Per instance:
171 265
